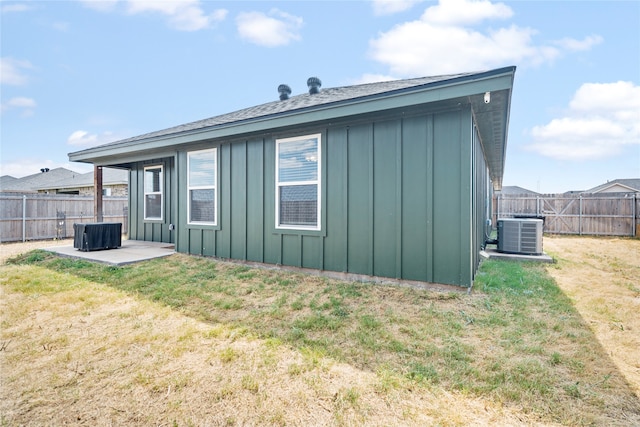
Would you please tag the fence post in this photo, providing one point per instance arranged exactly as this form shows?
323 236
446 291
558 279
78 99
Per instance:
634 226
24 218
580 217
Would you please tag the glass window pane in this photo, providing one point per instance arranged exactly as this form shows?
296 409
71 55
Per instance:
299 205
202 205
298 160
202 186
153 206
202 169
152 180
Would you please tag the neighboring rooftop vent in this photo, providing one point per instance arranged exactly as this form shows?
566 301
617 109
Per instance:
44 170
314 84
284 92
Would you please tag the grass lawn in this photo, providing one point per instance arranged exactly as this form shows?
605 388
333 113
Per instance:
186 340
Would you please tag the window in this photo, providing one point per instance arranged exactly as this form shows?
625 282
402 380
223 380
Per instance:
201 185
106 192
298 182
153 193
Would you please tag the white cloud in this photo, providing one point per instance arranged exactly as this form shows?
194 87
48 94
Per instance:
448 38
100 5
86 139
389 7
454 12
276 29
579 45
16 7
12 71
22 102
606 96
601 120
183 15
26 105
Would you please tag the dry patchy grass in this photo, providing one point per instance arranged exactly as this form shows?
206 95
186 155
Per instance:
80 353
602 278
191 341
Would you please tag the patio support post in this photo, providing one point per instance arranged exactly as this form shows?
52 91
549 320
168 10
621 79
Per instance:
97 195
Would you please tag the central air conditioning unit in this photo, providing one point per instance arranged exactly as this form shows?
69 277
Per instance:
520 236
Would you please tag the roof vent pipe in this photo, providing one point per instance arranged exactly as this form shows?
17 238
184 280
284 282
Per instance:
314 84
284 92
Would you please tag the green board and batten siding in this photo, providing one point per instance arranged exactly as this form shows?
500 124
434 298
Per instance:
407 172
397 200
156 230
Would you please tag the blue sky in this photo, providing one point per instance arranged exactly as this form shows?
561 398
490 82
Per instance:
75 74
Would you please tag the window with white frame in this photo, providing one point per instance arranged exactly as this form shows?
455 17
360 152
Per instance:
298 182
201 186
153 192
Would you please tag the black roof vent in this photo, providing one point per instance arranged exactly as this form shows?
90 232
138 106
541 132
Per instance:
314 84
284 92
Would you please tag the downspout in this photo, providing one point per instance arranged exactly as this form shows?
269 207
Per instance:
487 238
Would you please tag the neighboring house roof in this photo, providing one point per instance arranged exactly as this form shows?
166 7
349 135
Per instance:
617 186
31 183
6 180
492 118
514 189
110 176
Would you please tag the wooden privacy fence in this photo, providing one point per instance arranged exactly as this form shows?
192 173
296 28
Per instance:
48 216
586 214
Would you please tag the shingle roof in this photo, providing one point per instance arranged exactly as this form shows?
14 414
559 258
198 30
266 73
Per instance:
31 183
300 102
491 119
6 180
633 184
514 189
110 176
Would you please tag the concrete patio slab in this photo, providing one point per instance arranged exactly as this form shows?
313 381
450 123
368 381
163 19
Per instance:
130 252
494 254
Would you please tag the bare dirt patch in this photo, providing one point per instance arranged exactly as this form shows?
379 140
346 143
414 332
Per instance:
602 278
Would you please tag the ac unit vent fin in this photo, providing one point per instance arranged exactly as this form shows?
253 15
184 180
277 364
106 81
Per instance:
520 236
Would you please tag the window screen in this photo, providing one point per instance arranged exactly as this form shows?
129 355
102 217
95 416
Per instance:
202 173
299 205
298 182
